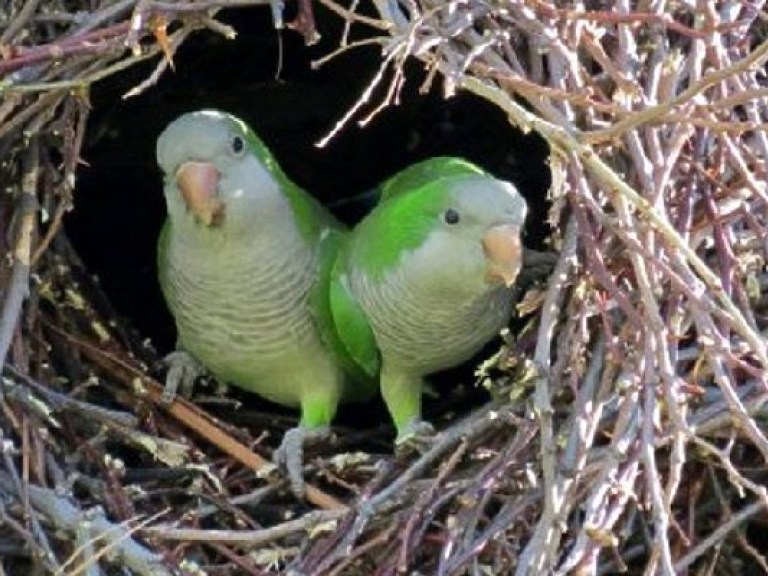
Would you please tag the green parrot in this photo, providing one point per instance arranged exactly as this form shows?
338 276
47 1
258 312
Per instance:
244 262
423 282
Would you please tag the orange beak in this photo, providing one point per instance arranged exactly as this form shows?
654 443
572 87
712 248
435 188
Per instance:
503 248
199 185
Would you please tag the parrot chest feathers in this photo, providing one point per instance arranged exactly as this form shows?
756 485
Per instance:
241 309
422 329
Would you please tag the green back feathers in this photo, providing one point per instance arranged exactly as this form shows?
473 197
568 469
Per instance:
425 172
341 322
350 321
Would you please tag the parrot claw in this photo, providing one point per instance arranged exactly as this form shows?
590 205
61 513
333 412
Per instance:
417 436
289 457
183 370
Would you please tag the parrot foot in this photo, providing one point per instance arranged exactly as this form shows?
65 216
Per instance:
418 436
289 457
183 370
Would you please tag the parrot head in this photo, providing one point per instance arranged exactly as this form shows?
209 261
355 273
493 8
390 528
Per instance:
476 234
459 231
217 172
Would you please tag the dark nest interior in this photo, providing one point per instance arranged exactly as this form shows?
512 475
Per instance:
618 426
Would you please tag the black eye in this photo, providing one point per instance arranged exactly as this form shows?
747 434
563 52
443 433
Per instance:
451 216
237 144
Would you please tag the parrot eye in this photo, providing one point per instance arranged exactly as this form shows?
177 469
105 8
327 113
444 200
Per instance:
451 216
237 144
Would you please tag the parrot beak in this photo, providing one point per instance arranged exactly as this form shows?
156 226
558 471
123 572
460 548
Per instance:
503 248
199 185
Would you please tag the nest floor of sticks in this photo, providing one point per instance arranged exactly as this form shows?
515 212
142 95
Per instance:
618 426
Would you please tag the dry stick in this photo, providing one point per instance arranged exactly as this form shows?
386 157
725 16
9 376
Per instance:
537 557
382 538
608 480
742 419
734 100
63 402
248 539
715 416
620 493
392 96
96 19
659 511
740 166
52 231
444 501
586 414
350 16
80 83
58 51
322 555
739 536
715 350
250 499
535 94
46 101
711 123
468 429
322 61
166 60
18 287
364 99
757 555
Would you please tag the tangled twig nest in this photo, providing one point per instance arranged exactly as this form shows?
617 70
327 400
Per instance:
628 426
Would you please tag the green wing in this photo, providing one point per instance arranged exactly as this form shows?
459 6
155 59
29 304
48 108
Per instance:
350 322
425 172
333 328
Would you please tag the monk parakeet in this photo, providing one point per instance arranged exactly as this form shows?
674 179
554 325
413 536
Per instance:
244 264
423 282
